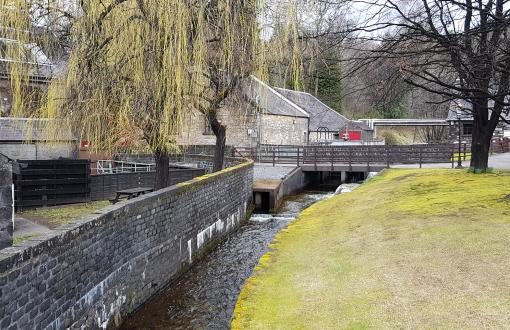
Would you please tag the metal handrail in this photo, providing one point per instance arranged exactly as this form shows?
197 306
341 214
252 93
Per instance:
114 167
368 154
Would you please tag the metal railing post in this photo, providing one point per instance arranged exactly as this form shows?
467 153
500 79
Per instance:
452 151
332 158
315 158
298 156
368 158
350 158
388 150
274 159
420 157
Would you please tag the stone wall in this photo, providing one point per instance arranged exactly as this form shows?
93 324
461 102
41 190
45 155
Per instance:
284 130
92 273
38 150
203 162
241 122
6 208
247 128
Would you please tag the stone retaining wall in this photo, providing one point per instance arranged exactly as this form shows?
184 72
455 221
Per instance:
94 272
6 208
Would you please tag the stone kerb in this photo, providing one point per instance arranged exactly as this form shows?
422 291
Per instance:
97 270
6 202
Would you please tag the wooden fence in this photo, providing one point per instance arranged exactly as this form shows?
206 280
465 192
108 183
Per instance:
51 182
500 145
375 154
56 182
105 186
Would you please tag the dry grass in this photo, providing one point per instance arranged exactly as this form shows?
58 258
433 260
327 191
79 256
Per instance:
399 135
61 215
410 249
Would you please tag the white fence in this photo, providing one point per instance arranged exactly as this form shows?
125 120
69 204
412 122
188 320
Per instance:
114 167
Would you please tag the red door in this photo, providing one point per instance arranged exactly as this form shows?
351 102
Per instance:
354 135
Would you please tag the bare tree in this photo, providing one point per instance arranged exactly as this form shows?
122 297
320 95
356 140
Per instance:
456 49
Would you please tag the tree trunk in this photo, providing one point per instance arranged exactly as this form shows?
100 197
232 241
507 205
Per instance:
480 147
162 169
220 132
219 151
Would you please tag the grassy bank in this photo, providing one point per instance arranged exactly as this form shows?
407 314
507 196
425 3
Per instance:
409 249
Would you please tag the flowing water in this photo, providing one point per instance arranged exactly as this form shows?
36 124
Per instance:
205 297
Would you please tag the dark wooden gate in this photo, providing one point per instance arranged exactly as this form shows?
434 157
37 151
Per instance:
51 182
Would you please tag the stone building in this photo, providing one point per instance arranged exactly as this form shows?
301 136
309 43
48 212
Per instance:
460 117
260 115
256 115
22 138
326 124
40 71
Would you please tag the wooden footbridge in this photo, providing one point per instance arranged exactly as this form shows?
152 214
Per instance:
364 158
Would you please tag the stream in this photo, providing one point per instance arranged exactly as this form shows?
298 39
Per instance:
205 296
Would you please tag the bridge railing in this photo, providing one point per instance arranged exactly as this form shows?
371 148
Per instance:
375 154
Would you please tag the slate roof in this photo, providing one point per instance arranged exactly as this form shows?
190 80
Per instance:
23 129
270 100
463 108
321 115
40 67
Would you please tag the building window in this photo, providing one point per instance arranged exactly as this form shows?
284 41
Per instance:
322 134
207 127
467 129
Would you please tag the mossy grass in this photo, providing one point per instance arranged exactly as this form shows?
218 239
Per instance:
20 239
480 171
466 156
61 215
408 249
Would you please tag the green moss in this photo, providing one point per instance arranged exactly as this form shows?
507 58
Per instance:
20 239
60 215
480 171
205 177
409 249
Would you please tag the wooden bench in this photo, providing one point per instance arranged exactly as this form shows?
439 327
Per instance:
130 193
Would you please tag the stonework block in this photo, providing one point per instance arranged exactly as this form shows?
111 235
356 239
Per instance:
6 209
93 273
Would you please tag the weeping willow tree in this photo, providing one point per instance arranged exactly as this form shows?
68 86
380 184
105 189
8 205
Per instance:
232 52
244 42
137 68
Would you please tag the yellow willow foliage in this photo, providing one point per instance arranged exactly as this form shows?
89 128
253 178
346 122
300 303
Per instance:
14 31
138 67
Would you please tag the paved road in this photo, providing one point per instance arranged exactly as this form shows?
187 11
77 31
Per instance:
26 227
501 161
498 162
268 172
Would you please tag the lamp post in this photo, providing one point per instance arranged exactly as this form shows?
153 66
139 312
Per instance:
459 158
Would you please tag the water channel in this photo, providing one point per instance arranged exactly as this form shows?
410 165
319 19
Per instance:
205 297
